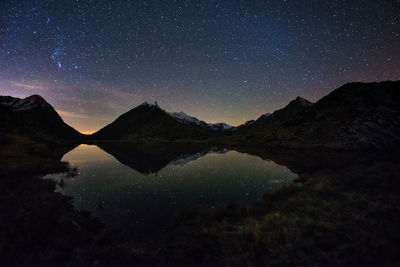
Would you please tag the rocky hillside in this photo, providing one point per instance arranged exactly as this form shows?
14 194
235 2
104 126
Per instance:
354 116
33 117
149 121
279 116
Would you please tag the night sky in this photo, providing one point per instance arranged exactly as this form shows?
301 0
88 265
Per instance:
217 60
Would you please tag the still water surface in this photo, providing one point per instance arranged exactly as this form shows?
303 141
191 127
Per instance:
145 199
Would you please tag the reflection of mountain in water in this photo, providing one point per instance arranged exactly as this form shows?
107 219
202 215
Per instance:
148 159
188 157
152 158
57 152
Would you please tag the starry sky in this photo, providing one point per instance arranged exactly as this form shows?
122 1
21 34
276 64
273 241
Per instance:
216 60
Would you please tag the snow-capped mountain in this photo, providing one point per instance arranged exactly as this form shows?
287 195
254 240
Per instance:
148 120
183 117
149 104
220 126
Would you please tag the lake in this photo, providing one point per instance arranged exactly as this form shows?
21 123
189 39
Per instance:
140 189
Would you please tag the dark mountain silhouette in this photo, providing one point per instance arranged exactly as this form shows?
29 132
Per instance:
35 118
149 121
281 115
354 116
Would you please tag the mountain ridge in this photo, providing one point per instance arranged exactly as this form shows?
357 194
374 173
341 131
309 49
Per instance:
148 121
353 116
35 118
183 117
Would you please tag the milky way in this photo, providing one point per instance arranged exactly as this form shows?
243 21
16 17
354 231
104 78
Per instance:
217 60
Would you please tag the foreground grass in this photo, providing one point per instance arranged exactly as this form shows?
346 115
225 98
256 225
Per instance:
346 216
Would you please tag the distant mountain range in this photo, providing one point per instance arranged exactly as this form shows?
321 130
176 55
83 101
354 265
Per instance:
354 116
183 117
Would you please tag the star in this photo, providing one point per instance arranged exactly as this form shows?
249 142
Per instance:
215 60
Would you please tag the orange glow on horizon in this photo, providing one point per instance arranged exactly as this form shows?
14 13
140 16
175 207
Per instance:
87 132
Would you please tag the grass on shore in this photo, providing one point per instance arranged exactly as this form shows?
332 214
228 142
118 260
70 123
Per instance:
330 217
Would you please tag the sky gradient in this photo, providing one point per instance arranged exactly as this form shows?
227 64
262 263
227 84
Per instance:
227 61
